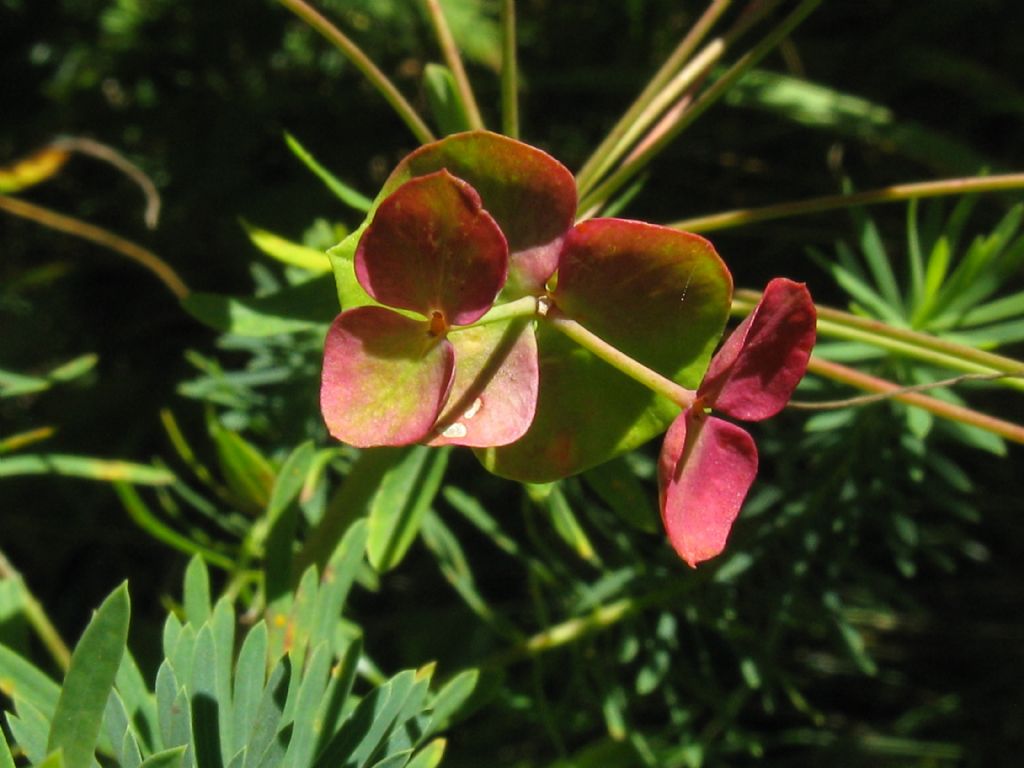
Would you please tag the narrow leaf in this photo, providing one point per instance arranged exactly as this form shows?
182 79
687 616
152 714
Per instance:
397 510
308 305
197 593
103 470
169 758
287 252
342 191
90 678
443 98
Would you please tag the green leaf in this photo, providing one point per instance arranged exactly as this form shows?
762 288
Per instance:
131 754
29 730
568 527
250 676
290 478
6 760
207 711
344 192
90 678
249 476
53 760
308 305
451 701
138 701
369 724
333 706
16 384
302 748
444 100
658 295
169 758
166 693
405 493
430 756
397 760
268 714
23 682
287 252
818 106
197 593
103 470
627 497
338 576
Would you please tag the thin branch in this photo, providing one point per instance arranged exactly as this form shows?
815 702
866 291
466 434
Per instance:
363 63
509 71
597 163
36 617
861 400
453 59
869 383
653 380
628 170
895 193
100 236
111 156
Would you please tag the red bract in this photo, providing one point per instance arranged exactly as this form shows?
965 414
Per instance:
434 251
707 465
457 222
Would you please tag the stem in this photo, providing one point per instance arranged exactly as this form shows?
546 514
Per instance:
363 63
619 360
100 236
111 156
869 383
601 618
911 191
598 161
451 56
861 400
509 71
921 346
627 170
36 617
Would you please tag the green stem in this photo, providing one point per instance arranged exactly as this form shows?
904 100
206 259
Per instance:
509 71
100 236
603 192
36 616
599 619
599 161
920 346
912 191
869 383
363 63
620 361
450 51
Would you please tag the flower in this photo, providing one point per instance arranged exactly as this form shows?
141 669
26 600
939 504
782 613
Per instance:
458 222
707 464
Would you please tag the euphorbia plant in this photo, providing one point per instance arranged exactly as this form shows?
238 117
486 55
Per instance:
478 314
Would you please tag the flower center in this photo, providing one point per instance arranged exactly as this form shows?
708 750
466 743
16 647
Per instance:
438 325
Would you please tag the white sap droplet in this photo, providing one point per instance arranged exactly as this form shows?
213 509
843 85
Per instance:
474 409
455 431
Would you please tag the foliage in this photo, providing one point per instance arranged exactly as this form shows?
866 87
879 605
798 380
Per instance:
858 615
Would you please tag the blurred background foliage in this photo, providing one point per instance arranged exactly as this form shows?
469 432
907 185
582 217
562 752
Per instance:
868 610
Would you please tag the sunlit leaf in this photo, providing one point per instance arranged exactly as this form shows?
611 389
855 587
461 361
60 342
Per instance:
94 663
